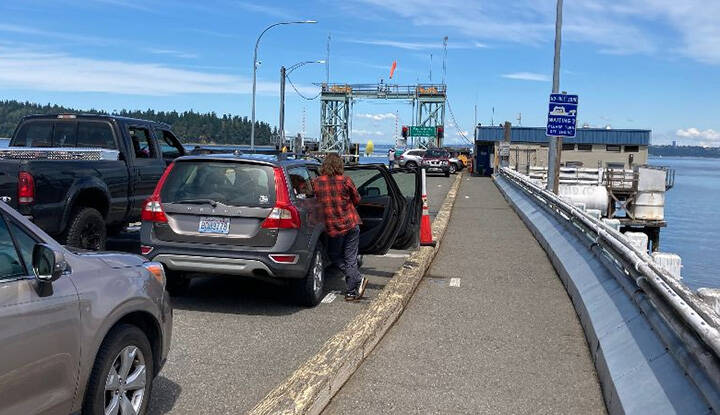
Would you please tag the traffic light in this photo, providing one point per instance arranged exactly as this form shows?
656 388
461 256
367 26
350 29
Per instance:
405 131
440 131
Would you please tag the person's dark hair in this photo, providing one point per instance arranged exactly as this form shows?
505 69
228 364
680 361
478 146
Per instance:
332 165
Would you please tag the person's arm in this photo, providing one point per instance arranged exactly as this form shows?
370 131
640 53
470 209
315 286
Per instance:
354 195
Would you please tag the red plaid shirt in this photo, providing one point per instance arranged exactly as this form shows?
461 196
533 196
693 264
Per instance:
338 197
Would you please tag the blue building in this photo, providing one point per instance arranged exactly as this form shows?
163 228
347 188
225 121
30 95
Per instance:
591 147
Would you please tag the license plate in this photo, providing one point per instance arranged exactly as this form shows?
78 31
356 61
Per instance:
214 225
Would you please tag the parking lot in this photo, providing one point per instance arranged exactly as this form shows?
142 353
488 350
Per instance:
234 339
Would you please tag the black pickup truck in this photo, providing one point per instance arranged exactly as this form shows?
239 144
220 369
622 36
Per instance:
82 177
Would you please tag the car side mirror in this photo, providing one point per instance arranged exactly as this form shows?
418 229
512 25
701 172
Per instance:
48 263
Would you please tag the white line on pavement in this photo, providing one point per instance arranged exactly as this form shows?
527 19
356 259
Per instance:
454 282
328 298
391 255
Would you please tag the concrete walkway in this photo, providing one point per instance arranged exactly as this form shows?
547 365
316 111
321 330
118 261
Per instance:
506 340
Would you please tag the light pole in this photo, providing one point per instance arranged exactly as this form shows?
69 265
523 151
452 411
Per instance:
255 64
555 147
283 74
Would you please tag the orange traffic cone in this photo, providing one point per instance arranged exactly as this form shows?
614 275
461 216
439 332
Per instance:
426 238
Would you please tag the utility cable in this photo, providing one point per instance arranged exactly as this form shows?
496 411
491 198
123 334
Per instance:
298 91
454 120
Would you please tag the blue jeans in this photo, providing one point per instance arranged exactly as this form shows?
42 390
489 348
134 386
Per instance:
343 252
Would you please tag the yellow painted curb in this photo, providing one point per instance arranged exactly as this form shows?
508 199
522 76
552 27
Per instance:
309 389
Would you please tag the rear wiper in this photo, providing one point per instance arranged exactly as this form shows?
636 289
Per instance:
210 202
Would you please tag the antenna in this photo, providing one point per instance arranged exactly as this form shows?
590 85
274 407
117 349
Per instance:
327 61
519 118
430 67
445 40
492 120
303 122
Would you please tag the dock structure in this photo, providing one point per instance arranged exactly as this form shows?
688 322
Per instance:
490 329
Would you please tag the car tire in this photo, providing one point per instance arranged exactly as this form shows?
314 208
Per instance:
453 168
447 173
124 343
411 165
309 290
177 283
86 230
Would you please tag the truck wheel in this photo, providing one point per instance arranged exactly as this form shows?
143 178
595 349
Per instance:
122 375
453 168
309 290
86 230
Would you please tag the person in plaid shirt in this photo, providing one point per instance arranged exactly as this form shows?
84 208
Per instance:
338 196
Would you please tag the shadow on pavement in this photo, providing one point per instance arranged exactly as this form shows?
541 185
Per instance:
165 393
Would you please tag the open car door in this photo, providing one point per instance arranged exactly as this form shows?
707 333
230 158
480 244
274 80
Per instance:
409 181
382 207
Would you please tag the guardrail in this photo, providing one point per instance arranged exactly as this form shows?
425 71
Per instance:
689 317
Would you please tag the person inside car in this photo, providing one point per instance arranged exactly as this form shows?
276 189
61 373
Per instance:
338 197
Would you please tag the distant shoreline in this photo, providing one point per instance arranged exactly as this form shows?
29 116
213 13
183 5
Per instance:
684 151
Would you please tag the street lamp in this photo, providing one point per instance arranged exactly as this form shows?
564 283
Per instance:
255 63
283 74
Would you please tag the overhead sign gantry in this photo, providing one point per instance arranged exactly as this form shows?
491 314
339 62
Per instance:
336 102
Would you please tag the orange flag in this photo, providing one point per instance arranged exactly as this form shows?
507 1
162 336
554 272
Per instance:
392 68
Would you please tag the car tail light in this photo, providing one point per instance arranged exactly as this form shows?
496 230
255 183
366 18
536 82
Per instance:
284 215
152 210
144 249
26 188
284 258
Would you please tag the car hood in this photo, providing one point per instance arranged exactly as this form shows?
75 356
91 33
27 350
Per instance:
112 259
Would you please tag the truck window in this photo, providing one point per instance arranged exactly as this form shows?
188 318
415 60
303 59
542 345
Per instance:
142 145
64 134
34 134
170 146
95 135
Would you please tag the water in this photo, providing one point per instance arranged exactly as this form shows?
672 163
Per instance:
691 211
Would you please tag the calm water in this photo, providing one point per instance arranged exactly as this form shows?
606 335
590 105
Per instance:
691 210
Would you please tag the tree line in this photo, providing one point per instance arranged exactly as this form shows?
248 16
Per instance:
684 151
190 126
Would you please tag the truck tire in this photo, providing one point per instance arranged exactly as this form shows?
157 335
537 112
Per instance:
309 290
86 230
132 381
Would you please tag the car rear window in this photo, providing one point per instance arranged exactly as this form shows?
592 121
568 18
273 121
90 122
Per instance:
230 183
34 134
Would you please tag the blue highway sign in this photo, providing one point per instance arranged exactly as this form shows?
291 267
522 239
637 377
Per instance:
562 115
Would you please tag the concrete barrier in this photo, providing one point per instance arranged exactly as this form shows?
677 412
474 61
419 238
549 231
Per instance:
311 387
637 357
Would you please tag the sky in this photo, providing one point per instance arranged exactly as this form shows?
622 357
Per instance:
648 64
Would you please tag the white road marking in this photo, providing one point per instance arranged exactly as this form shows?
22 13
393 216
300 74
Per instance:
467 197
391 255
439 185
454 282
328 298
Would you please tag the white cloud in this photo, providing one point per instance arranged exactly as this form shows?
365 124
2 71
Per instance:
61 72
32 31
378 117
667 27
367 132
697 134
527 76
172 52
416 45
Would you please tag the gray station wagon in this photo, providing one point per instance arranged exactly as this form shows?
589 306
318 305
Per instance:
79 332
256 216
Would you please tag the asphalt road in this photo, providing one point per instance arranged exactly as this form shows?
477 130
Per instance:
490 329
236 339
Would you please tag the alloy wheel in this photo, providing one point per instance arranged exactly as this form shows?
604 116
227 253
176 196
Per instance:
317 273
125 383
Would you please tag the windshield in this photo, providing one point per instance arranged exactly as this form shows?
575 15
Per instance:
436 153
229 183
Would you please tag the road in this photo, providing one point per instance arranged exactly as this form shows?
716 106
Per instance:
490 329
236 339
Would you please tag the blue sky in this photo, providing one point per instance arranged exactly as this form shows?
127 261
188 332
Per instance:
635 64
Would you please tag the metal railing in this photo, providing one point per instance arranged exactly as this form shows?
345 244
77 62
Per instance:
689 317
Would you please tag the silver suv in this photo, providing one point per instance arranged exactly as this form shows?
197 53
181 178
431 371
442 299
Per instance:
256 216
411 158
78 331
